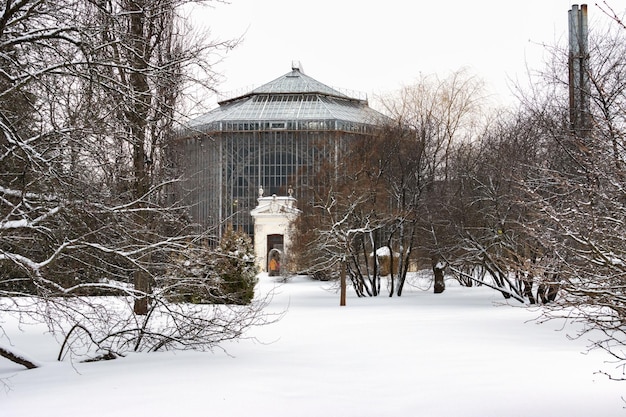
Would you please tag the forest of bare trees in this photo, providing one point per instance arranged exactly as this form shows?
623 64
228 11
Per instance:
516 199
89 94
391 186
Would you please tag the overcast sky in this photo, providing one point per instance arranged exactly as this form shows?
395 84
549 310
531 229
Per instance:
375 47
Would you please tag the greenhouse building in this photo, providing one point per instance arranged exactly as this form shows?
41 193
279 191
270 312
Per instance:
276 138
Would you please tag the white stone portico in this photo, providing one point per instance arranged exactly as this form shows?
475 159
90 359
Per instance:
272 218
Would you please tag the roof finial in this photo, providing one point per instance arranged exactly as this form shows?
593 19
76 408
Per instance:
297 66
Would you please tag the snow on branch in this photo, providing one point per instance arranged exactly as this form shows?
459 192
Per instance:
487 284
30 264
18 357
29 195
25 223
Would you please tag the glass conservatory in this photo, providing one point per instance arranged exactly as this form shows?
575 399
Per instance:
275 137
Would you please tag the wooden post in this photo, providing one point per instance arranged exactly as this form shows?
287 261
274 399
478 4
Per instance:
342 299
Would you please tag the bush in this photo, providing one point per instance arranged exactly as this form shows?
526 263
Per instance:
235 267
201 275
191 277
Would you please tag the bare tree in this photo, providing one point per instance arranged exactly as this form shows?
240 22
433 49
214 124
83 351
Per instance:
580 199
540 218
343 227
389 182
90 91
491 238
437 116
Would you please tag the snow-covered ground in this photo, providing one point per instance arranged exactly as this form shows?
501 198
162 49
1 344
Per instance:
460 353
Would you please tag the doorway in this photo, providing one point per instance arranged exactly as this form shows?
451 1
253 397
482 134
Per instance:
274 251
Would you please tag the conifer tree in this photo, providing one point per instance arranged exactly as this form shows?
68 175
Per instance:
236 267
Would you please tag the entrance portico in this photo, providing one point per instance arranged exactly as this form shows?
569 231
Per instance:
272 218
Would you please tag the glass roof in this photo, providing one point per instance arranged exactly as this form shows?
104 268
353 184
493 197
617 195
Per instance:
296 82
292 97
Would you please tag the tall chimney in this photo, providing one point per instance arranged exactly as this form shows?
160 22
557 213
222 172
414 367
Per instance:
578 70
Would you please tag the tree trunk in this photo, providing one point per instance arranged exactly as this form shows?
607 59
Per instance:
142 284
406 260
438 268
138 123
342 300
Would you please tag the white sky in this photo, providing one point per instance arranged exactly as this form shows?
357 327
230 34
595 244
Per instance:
375 47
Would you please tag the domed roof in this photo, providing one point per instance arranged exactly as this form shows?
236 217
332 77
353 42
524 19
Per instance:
293 97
